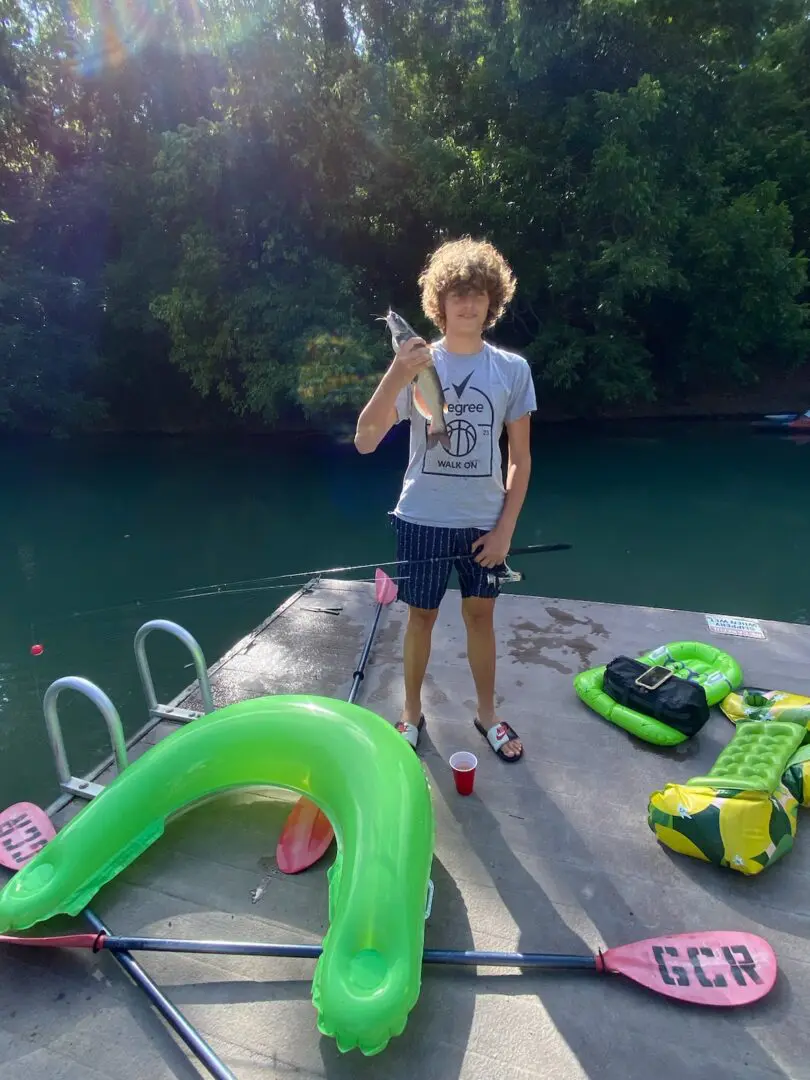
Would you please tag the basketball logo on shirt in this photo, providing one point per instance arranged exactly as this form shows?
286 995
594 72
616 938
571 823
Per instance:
462 437
470 418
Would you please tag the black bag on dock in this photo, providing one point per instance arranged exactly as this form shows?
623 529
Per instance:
680 704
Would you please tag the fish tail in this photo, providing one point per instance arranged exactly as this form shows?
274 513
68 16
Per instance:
438 437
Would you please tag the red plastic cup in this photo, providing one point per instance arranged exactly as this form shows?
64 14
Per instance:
464 765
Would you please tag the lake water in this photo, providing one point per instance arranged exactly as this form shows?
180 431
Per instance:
708 517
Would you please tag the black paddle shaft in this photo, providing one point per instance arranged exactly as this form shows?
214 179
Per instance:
360 673
172 1015
470 958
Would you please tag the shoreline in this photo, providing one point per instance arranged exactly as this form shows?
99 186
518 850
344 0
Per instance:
787 393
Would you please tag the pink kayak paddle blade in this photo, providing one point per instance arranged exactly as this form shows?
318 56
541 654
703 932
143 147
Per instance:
24 830
712 967
384 588
304 839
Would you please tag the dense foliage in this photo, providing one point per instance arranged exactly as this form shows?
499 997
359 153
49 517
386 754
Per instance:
203 206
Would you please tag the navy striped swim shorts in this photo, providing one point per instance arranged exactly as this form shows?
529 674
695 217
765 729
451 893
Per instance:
426 555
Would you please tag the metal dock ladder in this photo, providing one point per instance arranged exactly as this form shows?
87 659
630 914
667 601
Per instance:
87 788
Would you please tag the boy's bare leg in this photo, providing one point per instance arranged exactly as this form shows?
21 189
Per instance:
416 654
479 614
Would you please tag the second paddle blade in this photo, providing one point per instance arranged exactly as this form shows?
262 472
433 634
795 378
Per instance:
24 830
304 839
384 588
712 967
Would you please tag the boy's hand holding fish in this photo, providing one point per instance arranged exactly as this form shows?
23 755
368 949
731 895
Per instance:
380 414
428 396
412 363
411 357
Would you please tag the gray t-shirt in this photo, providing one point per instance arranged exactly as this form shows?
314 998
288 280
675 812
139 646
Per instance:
463 487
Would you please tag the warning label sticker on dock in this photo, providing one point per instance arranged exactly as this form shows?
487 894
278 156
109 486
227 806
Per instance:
735 627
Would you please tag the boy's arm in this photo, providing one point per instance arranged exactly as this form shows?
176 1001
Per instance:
494 546
517 475
380 412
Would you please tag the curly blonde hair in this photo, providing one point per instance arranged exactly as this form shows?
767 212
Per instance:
466 264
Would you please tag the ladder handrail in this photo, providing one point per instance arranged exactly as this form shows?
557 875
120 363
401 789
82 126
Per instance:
193 647
54 726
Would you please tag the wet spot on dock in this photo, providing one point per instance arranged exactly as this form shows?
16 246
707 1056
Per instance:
531 643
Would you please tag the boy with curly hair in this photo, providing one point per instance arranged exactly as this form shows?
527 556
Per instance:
454 501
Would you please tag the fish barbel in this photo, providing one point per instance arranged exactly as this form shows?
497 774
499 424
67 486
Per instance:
428 396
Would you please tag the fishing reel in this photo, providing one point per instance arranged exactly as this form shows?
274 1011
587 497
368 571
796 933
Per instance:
507 576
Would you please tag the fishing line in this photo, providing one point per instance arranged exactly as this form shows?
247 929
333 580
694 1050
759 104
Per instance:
218 590
215 590
35 651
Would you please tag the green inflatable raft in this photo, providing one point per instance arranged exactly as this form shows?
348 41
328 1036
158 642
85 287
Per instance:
715 671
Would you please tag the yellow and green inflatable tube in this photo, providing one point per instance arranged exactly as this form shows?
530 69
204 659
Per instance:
349 761
752 703
742 814
716 671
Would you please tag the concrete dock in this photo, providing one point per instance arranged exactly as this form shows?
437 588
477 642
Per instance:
552 854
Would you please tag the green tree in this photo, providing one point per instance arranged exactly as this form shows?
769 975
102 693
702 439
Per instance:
207 208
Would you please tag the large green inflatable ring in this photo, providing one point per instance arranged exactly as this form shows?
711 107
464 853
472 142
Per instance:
352 764
717 672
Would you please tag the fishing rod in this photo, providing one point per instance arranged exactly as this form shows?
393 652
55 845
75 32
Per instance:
531 549
286 581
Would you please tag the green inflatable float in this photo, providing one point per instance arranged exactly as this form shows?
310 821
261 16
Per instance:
692 661
355 766
743 814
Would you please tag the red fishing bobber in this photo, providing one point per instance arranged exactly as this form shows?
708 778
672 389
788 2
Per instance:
37 650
